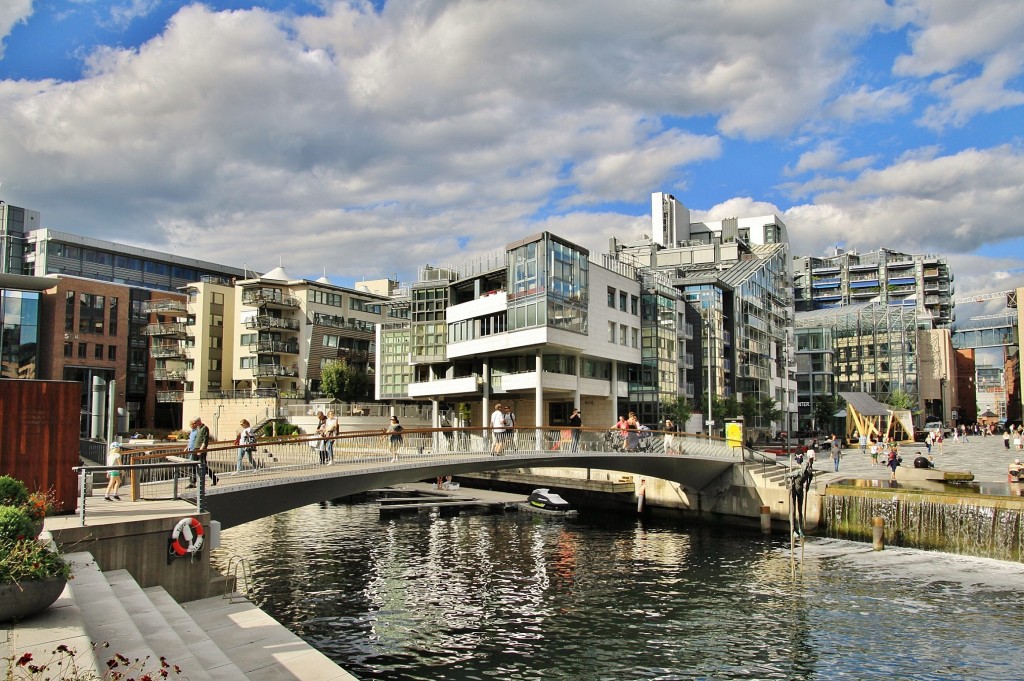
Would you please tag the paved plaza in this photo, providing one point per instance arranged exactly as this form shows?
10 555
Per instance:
985 457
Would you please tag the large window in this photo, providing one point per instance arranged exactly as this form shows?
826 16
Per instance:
112 321
91 310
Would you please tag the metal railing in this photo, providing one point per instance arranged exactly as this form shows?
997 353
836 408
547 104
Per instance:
138 474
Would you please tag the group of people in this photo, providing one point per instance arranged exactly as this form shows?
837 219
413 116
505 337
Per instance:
503 434
327 430
1014 433
631 431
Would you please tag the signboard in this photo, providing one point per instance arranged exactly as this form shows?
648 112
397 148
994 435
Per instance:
734 433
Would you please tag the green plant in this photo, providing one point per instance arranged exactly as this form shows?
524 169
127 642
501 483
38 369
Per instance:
12 491
29 560
63 665
15 524
278 430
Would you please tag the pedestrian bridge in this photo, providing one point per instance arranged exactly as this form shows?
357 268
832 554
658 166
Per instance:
289 472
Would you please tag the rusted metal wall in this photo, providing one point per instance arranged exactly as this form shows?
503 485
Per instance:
39 423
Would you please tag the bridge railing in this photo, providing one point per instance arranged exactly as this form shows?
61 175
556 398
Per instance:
290 456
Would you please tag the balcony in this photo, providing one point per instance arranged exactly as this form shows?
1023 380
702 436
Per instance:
170 396
467 385
264 298
265 321
274 370
173 329
167 351
825 282
268 347
169 374
164 306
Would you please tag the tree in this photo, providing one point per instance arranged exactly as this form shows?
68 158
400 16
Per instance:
679 410
901 399
825 408
341 381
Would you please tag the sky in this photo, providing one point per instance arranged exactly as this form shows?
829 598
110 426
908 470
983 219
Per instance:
365 140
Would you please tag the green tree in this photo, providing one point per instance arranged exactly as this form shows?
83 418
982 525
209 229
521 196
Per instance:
901 399
679 410
341 381
825 408
768 410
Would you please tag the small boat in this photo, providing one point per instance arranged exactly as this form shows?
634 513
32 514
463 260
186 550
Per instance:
547 500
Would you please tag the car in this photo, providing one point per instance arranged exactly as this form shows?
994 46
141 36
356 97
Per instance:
932 425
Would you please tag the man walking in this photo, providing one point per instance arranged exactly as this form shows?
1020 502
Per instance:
198 441
497 430
837 450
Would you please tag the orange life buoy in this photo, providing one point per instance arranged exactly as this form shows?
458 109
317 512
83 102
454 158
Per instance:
192 530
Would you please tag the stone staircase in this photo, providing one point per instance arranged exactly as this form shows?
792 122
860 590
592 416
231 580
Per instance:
213 638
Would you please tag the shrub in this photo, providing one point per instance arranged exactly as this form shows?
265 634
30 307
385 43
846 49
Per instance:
282 429
29 560
41 504
12 491
15 524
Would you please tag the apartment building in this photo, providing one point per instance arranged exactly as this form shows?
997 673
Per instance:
924 282
538 325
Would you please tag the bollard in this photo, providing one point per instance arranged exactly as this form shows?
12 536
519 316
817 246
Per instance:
877 533
766 520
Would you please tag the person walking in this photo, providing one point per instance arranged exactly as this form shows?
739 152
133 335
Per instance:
1006 438
836 446
894 461
198 441
394 434
245 441
862 440
330 432
497 430
321 443
113 477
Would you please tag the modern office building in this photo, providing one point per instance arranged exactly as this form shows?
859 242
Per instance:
20 303
924 282
734 278
538 326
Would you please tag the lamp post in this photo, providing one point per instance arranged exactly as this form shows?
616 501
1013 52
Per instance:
710 419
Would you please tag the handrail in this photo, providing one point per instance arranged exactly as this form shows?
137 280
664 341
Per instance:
234 563
174 465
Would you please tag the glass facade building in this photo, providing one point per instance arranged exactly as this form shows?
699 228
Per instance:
19 337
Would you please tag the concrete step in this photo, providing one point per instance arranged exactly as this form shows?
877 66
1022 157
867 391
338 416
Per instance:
208 653
262 648
107 621
162 633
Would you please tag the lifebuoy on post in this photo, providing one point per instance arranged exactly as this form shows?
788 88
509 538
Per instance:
186 538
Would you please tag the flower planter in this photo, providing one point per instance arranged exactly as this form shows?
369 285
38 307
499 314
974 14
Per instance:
18 602
37 527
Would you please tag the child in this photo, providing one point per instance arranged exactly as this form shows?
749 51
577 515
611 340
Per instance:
113 477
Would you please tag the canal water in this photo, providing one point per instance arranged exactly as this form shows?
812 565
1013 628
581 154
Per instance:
603 596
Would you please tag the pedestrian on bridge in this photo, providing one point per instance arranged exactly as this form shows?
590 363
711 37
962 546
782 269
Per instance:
394 432
575 422
497 430
198 441
246 442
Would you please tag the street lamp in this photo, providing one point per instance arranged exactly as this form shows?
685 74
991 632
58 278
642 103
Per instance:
710 419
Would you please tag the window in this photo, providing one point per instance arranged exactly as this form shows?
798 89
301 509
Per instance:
623 299
69 311
611 332
331 341
91 309
635 337
623 334
214 364
217 298
68 350
216 320
82 351
634 304
112 322
97 351
611 296
246 362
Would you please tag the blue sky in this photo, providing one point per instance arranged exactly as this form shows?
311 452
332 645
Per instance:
368 139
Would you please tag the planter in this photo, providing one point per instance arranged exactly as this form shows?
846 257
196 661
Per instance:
37 527
19 601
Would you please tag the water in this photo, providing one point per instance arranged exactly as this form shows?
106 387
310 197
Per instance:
610 597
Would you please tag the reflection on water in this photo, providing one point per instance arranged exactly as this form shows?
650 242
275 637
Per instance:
611 597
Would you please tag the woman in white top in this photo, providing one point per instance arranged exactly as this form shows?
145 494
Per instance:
330 432
246 440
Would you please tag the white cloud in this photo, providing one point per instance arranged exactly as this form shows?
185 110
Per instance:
12 12
946 204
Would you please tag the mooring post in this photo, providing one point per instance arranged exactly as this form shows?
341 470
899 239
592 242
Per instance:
766 520
877 533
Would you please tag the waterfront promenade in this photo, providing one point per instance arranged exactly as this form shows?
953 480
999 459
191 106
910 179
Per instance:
985 457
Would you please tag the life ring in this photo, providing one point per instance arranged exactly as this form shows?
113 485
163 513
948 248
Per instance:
193 531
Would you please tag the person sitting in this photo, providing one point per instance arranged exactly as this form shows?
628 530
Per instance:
1015 471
